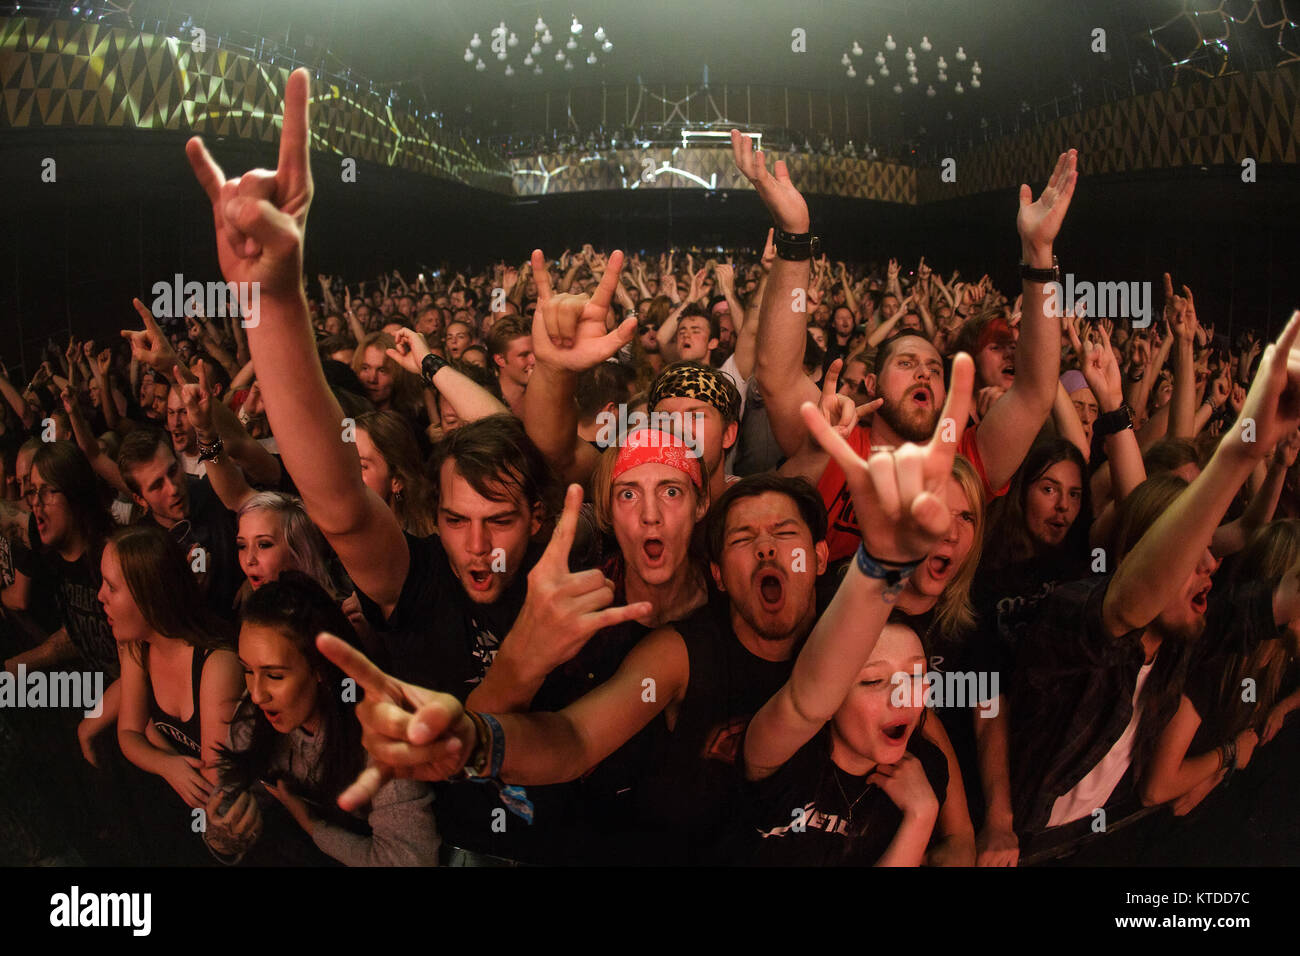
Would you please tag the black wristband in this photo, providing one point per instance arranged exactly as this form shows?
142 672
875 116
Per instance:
1114 422
429 367
1030 274
795 246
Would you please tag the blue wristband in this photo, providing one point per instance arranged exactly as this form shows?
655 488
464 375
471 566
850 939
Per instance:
894 575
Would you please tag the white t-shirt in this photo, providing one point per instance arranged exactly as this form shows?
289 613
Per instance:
1095 789
191 465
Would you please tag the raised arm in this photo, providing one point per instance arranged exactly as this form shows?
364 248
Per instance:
1011 425
260 219
470 399
903 493
1161 562
783 322
569 337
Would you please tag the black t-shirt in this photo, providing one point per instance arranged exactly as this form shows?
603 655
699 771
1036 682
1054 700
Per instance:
76 592
213 528
690 789
812 813
436 636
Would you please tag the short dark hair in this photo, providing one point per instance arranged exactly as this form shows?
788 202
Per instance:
804 495
495 451
597 387
504 331
138 447
887 347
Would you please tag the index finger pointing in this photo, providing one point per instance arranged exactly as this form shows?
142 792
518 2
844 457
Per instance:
294 143
557 551
206 171
542 276
147 316
956 408
353 663
613 272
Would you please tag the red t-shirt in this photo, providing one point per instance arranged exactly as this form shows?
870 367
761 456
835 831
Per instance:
842 534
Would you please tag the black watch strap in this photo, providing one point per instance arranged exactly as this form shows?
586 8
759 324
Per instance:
1030 274
430 366
1111 423
796 246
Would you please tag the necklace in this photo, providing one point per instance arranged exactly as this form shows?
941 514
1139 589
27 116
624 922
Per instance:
835 772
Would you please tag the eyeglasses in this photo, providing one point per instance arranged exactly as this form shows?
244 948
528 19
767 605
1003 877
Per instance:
41 494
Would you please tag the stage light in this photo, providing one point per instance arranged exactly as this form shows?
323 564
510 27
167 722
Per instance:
943 77
871 81
914 79
844 60
880 58
884 71
559 56
957 89
898 88
974 82
591 59
540 25
975 70
510 70
513 41
929 91
942 64
546 36
911 56
528 60
568 64
537 49
852 73
571 45
480 66
857 48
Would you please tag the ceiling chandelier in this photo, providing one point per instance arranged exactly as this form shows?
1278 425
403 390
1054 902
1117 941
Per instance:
911 64
509 51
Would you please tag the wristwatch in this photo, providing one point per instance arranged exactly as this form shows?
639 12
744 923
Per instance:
1112 423
429 367
796 246
1030 274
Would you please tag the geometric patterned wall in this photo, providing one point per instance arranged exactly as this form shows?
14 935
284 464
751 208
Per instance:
57 73
1206 122
705 168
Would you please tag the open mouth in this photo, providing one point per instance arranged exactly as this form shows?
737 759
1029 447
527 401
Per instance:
653 549
939 565
771 590
896 731
1201 600
1009 371
480 579
922 396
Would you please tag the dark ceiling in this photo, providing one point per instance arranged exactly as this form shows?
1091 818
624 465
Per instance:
1037 57
1029 50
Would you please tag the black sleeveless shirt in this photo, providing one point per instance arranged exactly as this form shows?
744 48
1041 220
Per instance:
184 735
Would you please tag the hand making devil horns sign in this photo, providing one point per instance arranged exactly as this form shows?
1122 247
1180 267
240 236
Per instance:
899 493
260 216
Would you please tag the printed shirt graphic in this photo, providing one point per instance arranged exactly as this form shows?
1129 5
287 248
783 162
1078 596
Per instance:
811 813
